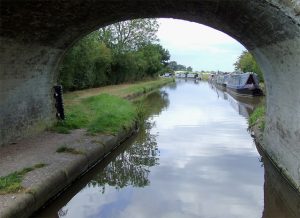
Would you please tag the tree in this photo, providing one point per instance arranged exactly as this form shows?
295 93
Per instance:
121 52
156 58
129 35
86 64
246 63
173 65
189 69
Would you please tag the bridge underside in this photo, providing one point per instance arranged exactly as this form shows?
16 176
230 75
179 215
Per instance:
35 35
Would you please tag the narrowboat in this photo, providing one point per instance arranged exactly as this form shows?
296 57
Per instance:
244 84
222 80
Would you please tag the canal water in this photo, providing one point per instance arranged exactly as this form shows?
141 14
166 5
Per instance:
193 157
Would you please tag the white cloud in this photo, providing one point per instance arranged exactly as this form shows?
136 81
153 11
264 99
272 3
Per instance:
198 46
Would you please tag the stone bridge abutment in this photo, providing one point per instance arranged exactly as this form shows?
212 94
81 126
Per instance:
35 34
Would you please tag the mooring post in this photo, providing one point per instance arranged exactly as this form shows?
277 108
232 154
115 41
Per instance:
59 102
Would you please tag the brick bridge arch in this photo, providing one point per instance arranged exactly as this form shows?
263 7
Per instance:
35 34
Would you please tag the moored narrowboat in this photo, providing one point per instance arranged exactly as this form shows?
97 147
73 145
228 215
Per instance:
222 80
244 84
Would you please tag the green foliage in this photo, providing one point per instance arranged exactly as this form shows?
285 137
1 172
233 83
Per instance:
156 58
145 87
111 114
140 112
129 35
106 113
12 182
173 65
131 167
103 113
258 117
246 63
86 65
76 118
121 52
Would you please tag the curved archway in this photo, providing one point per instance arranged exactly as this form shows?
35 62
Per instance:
35 35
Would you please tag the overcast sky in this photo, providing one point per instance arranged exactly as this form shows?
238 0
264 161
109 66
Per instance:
198 46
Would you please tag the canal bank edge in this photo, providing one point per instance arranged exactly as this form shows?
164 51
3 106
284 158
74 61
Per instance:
258 134
98 147
34 198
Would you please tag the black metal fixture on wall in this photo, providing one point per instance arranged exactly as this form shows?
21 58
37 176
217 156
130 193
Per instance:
59 102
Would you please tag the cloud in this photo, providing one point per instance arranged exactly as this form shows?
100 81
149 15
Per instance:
198 46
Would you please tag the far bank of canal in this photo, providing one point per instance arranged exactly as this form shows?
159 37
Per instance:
193 158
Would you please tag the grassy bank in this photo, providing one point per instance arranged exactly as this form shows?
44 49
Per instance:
257 118
104 110
205 76
123 90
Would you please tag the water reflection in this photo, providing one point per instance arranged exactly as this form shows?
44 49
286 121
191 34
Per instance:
132 167
172 86
243 105
156 102
203 163
280 199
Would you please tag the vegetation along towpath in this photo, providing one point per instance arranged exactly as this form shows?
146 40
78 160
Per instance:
35 169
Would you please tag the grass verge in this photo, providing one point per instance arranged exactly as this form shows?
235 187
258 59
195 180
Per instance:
12 182
145 87
105 113
258 118
122 90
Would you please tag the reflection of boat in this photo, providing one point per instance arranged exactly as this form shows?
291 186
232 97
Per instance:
188 76
245 84
181 75
243 105
221 81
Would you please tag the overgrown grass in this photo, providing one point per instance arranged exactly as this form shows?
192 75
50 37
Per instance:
258 117
105 113
142 88
66 149
12 182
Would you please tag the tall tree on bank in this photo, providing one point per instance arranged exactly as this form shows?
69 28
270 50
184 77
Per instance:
246 63
129 35
123 52
173 65
87 64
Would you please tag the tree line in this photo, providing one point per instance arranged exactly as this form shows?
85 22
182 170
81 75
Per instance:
247 63
122 52
174 66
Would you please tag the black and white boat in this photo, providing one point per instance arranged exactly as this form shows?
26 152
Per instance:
243 84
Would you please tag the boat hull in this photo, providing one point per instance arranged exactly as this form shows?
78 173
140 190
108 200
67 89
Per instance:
245 91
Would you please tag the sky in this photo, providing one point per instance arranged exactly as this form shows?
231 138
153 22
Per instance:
198 46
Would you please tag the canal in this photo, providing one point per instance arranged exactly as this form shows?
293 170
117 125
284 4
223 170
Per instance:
193 157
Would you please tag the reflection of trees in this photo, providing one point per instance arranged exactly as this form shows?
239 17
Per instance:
132 167
156 102
172 86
